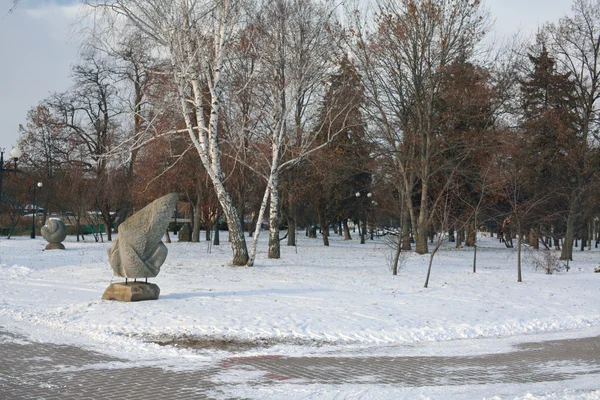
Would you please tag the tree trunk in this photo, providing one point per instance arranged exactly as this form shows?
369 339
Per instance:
421 233
196 218
325 233
397 256
346 230
259 218
471 236
475 258
361 231
236 234
292 227
107 225
475 241
291 240
274 248
216 241
324 228
534 240
78 228
406 230
421 239
567 250
252 227
241 207
122 215
207 231
435 249
519 241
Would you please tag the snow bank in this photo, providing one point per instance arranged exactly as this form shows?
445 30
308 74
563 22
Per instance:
344 294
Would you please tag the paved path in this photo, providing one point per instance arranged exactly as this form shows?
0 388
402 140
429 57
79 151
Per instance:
48 371
531 363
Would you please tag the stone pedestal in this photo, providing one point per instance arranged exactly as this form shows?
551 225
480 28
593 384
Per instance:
55 246
131 291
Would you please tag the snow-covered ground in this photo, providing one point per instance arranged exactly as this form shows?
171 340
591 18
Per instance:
314 299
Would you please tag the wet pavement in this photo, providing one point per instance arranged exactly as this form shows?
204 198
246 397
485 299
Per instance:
31 370
530 363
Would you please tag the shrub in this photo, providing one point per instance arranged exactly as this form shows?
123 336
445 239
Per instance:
546 261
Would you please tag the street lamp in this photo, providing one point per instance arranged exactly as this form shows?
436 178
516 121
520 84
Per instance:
39 185
15 154
363 228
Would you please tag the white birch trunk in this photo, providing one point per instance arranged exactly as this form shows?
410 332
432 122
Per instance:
274 247
272 183
261 215
205 136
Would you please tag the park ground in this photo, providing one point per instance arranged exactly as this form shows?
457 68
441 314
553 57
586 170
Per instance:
313 302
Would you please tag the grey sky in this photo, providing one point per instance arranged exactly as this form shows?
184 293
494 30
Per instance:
36 49
36 52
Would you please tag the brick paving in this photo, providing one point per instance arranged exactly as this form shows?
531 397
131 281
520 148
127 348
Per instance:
548 361
47 371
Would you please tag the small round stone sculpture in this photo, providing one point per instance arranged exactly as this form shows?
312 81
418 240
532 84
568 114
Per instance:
185 233
54 232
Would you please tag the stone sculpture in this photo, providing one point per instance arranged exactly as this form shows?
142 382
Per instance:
138 251
185 233
54 232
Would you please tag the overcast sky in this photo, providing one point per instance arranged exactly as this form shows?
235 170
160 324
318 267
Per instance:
37 49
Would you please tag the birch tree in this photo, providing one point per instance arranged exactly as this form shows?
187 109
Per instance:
195 36
293 63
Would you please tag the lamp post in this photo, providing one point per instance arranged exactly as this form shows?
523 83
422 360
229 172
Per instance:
15 154
362 225
39 185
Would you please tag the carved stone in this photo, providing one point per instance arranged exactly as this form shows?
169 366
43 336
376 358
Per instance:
132 291
55 246
185 233
54 232
138 251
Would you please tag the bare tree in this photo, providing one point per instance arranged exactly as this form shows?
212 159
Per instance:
196 36
575 43
442 214
293 62
403 64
